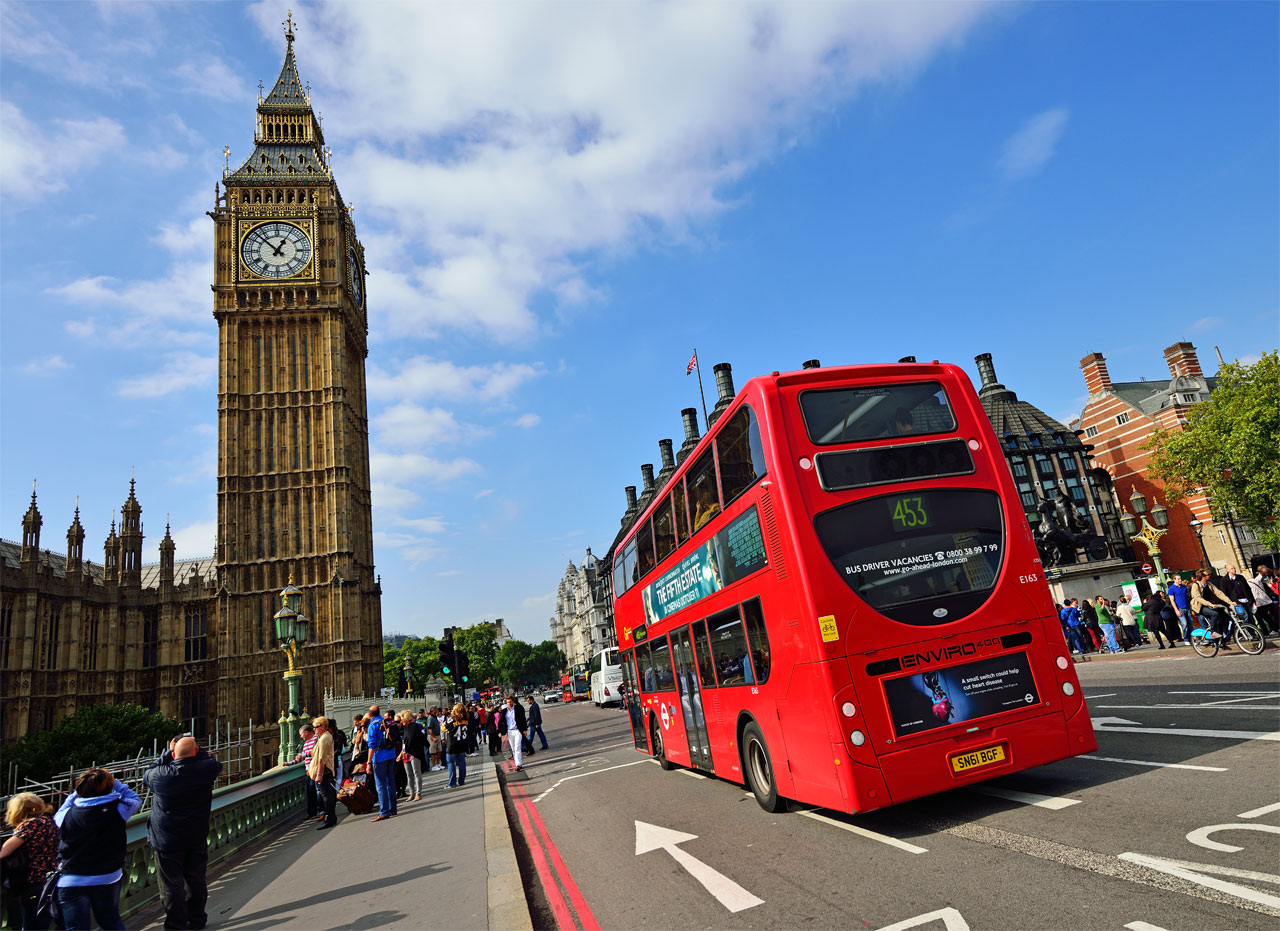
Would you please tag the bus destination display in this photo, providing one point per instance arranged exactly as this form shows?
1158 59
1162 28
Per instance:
733 553
940 697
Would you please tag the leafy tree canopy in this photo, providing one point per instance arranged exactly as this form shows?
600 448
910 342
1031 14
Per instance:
546 660
424 661
481 646
1229 447
97 734
512 662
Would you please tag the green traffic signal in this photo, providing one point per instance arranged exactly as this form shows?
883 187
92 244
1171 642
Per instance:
447 671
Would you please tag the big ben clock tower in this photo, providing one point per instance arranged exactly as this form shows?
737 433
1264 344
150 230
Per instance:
293 437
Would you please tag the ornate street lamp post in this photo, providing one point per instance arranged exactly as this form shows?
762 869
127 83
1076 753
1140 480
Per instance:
1149 536
292 628
1198 527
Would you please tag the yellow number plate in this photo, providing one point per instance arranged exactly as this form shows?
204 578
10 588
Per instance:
984 757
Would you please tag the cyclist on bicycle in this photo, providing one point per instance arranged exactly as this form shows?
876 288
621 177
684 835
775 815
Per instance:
1211 603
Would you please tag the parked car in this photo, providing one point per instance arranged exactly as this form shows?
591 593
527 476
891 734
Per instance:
550 697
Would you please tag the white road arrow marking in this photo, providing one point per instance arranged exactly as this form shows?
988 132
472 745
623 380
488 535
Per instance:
951 920
1121 726
1200 836
727 892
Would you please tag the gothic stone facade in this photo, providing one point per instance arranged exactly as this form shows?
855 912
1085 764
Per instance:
293 453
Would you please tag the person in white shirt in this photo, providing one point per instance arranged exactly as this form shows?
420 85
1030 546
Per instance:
1129 620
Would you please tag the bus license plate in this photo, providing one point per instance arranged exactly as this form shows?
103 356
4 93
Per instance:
985 757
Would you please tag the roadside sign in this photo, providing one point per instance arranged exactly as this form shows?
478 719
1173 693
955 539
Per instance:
1146 568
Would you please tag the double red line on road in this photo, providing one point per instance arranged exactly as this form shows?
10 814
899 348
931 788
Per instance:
551 868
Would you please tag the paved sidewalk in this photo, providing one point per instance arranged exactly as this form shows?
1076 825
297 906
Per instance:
427 868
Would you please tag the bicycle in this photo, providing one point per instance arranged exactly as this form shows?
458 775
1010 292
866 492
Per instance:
1248 637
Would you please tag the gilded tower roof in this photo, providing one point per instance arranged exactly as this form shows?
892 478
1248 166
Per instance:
289 141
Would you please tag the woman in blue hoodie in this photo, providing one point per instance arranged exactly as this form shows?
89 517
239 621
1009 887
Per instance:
92 827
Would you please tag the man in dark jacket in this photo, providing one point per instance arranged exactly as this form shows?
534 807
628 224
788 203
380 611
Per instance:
535 722
1236 587
181 784
511 721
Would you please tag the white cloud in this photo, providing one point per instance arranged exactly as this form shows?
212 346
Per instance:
168 310
504 147
408 426
37 161
49 365
181 240
1205 323
391 498
1030 148
211 76
183 370
194 540
424 377
484 492
527 420
406 467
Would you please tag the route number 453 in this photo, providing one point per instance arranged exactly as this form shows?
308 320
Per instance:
909 512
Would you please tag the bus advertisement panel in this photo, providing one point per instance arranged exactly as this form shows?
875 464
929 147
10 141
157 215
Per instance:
843 562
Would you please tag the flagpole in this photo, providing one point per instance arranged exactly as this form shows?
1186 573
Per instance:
706 420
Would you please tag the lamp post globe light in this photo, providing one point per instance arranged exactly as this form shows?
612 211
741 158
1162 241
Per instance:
292 630
1198 526
1151 531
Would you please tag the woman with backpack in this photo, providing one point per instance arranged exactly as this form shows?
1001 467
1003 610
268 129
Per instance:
92 822
36 836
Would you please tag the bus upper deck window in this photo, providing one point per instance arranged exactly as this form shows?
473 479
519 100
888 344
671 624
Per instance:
741 453
876 412
704 497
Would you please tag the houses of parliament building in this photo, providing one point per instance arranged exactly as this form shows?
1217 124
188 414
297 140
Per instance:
194 638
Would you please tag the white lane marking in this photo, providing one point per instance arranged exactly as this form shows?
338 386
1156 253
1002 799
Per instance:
727 892
1027 798
1259 812
592 773
1195 872
1112 759
689 772
1200 836
1118 726
863 832
1202 706
951 920
1143 926
1224 692
1232 701
1105 695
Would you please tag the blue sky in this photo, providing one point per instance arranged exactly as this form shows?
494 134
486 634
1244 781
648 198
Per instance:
560 201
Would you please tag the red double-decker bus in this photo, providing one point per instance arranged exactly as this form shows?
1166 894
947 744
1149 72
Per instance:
574 685
836 598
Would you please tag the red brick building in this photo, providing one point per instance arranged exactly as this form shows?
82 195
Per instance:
1120 417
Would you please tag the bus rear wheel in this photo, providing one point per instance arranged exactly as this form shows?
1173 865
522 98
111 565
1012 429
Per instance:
659 748
759 769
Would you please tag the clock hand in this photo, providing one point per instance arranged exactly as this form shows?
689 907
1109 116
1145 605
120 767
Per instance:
279 247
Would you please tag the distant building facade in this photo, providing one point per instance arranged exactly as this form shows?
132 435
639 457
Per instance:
1119 417
196 639
583 622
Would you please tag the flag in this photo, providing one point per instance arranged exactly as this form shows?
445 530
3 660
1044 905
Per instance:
693 363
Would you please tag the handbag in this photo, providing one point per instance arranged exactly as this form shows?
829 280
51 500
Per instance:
47 901
13 869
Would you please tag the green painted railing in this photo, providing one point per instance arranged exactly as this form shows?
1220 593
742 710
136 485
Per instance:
241 813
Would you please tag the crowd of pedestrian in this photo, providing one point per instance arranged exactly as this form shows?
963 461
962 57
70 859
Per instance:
1168 618
66 867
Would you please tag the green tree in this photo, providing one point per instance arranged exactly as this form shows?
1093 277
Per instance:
423 654
97 734
511 663
480 643
545 662
1229 448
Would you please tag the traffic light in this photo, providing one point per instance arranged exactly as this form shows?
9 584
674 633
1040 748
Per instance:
447 658
462 666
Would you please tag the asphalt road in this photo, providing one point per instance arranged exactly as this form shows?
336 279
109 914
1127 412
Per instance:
1173 824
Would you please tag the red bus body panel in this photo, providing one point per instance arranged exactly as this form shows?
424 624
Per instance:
798 709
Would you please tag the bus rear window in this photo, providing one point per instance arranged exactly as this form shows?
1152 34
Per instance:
920 557
875 412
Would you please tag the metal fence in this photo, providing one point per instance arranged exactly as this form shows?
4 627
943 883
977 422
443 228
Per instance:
232 746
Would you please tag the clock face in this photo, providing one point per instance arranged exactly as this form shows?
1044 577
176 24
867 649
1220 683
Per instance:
276 250
355 277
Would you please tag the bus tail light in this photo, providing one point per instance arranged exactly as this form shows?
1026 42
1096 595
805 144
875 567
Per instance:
848 710
1062 662
857 738
1068 689
606 691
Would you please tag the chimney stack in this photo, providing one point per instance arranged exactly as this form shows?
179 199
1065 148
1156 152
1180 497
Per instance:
907 359
691 436
630 492
1183 361
811 364
1096 377
724 388
646 471
668 462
